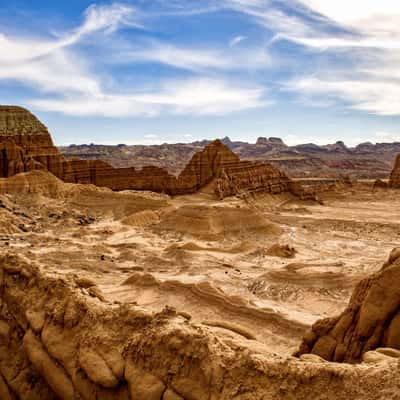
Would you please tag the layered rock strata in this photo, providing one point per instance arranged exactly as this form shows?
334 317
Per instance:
247 176
394 180
59 339
371 320
25 145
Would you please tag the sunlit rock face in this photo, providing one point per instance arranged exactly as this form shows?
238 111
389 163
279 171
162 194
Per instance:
25 143
371 320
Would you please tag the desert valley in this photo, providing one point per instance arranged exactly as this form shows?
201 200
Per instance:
227 280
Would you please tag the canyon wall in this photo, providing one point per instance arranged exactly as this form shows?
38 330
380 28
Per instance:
25 145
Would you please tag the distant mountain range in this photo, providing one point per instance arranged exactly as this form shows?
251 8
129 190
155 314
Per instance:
365 161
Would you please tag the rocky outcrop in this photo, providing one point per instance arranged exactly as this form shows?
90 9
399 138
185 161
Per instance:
371 320
246 176
272 142
26 145
60 340
394 181
215 164
338 147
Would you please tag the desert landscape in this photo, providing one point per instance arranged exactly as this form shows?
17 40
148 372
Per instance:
334 161
228 281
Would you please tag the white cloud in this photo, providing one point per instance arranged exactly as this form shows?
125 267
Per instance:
199 59
352 12
49 64
374 24
324 43
107 17
236 40
58 72
53 67
372 84
270 17
376 97
195 96
365 38
97 18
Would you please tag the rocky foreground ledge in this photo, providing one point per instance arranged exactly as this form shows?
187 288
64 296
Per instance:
60 339
371 320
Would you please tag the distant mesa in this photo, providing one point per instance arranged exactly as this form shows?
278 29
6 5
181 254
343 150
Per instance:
365 161
366 147
25 145
309 148
263 141
338 147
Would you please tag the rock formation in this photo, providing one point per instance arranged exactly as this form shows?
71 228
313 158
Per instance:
25 145
59 339
246 176
371 320
394 181
365 161
272 142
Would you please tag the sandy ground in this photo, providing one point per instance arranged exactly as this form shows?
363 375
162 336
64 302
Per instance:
207 258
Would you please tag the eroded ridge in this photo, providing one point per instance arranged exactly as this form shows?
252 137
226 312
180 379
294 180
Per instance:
26 145
59 338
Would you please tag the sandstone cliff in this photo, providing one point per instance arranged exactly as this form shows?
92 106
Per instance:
25 145
394 181
371 320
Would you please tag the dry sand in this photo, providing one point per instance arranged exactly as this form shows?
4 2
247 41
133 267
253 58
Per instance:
209 259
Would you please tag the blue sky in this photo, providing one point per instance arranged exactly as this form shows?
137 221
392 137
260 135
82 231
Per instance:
154 71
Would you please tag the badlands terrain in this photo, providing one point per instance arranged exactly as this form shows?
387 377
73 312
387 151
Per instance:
336 160
230 281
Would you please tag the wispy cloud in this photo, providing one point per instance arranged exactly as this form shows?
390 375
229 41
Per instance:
361 45
198 59
236 40
366 38
273 17
199 97
52 66
375 97
49 64
196 97
97 18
